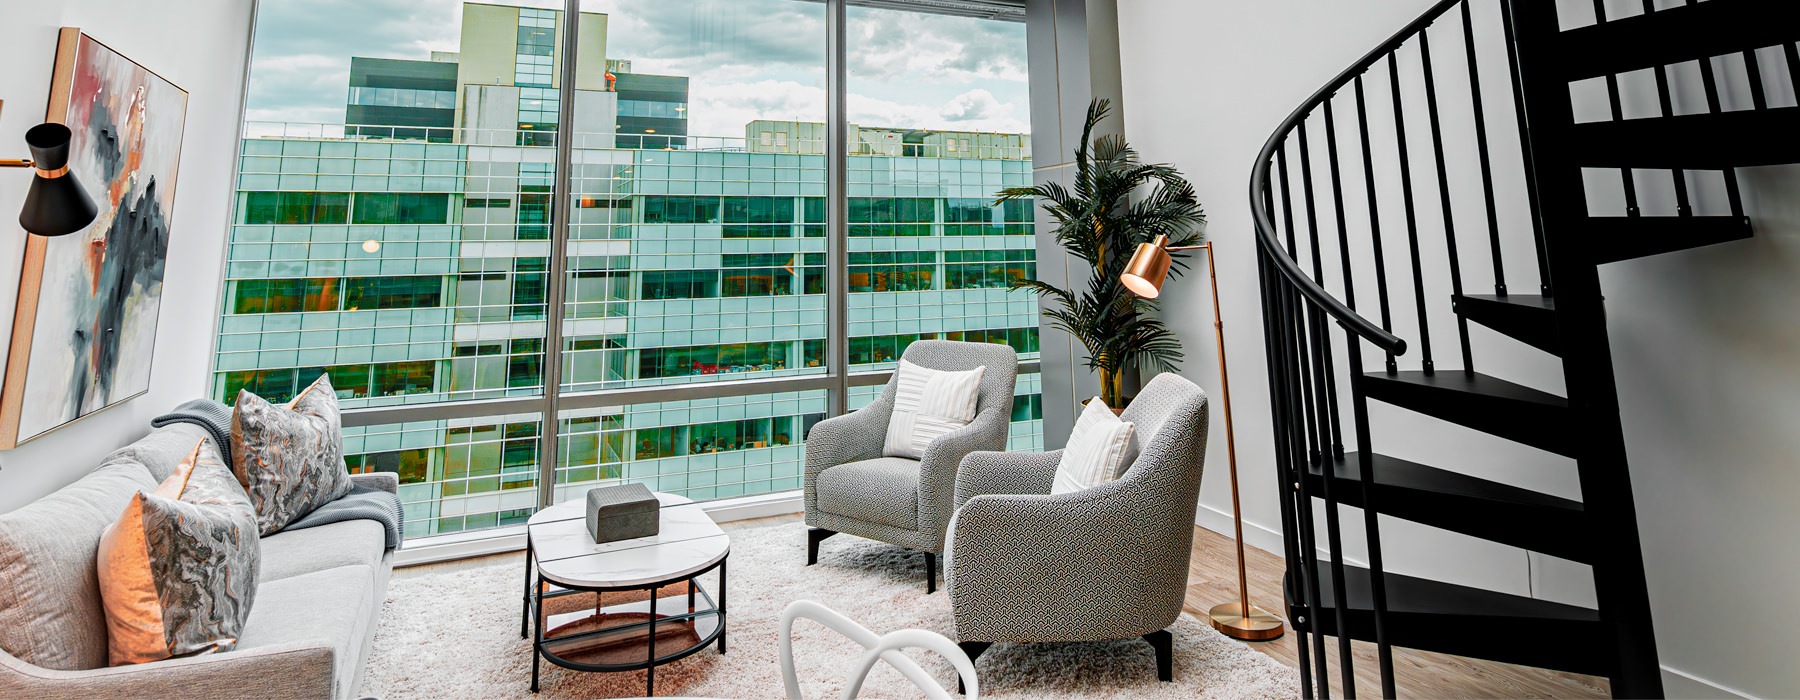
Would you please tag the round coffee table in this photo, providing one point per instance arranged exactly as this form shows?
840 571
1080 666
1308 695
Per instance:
647 629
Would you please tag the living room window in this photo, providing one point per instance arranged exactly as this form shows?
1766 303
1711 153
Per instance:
411 249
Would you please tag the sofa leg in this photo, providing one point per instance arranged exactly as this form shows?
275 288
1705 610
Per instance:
1164 643
974 650
930 573
814 536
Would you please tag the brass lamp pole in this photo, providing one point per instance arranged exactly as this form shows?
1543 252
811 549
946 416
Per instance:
1144 276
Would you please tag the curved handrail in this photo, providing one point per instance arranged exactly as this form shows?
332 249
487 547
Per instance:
1259 179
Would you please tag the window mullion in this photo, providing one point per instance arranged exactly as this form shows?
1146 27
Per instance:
837 256
557 267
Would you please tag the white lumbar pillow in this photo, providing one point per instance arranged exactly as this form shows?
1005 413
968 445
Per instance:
927 404
1099 450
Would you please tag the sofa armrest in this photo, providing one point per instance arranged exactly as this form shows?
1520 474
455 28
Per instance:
295 671
1006 474
384 481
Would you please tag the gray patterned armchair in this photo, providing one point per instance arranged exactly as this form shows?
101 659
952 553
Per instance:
851 488
1110 562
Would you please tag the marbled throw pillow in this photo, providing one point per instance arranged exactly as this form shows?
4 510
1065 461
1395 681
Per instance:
178 568
289 458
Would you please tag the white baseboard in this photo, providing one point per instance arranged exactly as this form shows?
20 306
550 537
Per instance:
1254 535
431 550
1681 684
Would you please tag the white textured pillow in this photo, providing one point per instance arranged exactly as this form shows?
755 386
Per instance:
927 404
1099 450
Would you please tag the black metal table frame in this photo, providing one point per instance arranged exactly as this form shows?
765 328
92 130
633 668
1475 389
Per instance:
532 625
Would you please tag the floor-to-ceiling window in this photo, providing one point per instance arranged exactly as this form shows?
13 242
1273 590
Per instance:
398 229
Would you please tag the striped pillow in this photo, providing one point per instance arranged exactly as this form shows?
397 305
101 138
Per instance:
927 404
1098 451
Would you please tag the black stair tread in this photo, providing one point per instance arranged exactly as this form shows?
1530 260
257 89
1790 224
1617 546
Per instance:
1529 318
1462 620
1616 238
1455 380
1461 503
1529 302
1675 35
1741 138
1489 404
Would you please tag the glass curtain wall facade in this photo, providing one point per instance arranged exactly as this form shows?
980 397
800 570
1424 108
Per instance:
412 266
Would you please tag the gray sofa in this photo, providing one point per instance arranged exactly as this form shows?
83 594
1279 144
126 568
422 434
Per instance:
319 594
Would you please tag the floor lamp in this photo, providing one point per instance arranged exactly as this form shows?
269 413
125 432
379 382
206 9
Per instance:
1144 276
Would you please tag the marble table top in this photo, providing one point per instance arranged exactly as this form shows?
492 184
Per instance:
687 542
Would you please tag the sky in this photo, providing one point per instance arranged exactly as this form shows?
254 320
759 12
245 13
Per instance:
746 59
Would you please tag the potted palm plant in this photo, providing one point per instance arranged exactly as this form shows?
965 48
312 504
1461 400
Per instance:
1116 201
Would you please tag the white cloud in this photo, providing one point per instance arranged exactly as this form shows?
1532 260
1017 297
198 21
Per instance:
747 59
974 105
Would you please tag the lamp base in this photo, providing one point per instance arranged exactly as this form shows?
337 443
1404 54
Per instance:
1258 626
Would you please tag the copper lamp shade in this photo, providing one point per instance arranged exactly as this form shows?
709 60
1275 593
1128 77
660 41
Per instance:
1148 267
56 205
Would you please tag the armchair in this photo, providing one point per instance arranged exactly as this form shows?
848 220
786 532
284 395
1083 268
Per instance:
851 488
1110 562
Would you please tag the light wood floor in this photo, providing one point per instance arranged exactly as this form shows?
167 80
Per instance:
1213 579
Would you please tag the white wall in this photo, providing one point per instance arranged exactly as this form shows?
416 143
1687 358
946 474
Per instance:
1706 343
200 46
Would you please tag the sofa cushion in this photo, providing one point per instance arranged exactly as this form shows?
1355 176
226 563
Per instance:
50 612
292 553
333 607
883 490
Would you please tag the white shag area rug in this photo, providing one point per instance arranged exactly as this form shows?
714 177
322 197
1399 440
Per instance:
456 635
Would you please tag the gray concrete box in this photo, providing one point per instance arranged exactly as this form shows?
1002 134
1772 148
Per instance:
621 512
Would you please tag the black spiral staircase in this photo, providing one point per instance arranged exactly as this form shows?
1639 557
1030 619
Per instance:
1322 208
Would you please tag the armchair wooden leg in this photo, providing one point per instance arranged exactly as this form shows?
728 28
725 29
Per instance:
1164 643
814 536
930 573
974 650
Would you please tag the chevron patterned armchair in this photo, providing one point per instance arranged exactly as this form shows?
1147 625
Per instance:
851 488
1109 562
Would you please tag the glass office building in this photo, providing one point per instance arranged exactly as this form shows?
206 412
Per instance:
413 269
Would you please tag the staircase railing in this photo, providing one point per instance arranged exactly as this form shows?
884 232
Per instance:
1299 307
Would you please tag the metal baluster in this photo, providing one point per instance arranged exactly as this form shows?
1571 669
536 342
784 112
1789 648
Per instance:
1362 128
1412 221
1710 82
1443 183
1287 197
1793 63
1481 148
1300 454
1316 330
1288 487
1617 112
1666 101
1360 416
1545 284
1334 439
1753 73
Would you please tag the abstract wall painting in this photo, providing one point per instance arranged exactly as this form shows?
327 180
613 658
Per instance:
85 326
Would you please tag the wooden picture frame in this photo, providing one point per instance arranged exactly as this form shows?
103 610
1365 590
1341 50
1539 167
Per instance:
84 328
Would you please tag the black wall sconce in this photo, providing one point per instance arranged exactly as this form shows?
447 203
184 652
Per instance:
56 205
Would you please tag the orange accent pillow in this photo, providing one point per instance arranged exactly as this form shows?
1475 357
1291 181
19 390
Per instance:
178 568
